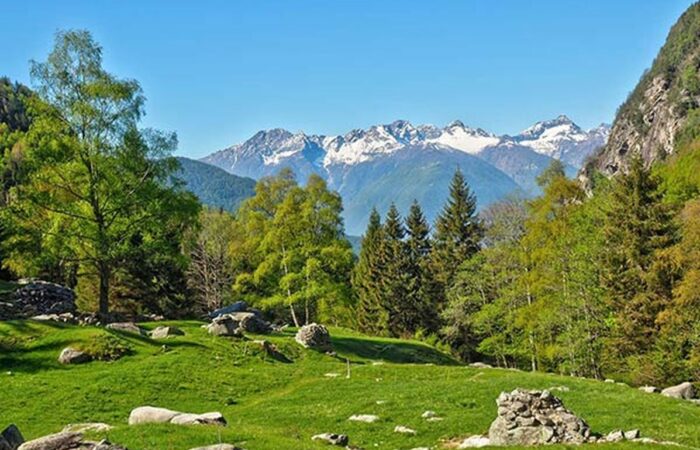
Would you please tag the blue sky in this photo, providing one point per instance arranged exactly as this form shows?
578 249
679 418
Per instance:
218 71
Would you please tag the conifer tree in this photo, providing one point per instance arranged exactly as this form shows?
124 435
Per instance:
457 232
394 275
422 288
366 279
637 226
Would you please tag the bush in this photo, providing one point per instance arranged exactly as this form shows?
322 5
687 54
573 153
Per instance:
106 348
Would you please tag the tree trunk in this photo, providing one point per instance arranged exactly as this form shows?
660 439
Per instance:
104 275
294 316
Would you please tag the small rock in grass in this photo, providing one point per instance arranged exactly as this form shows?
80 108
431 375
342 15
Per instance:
475 441
615 436
58 441
631 434
70 355
92 427
367 418
127 327
165 332
433 419
404 430
218 447
380 402
377 363
211 418
428 414
609 380
331 375
332 439
480 365
650 389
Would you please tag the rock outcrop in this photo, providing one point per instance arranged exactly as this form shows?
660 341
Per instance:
127 327
685 391
314 336
70 355
67 441
165 332
535 418
151 414
224 326
11 438
38 298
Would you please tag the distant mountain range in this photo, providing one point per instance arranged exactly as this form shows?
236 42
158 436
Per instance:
398 162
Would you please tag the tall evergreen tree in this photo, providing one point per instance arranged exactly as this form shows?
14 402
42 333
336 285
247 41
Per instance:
421 312
457 232
367 278
395 277
637 226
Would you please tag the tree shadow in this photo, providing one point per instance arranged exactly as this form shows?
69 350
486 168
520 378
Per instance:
399 352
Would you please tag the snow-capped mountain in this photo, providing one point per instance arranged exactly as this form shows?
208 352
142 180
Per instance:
395 161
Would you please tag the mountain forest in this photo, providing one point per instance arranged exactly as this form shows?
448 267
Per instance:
591 271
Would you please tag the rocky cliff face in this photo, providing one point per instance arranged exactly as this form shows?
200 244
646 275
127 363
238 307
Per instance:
648 122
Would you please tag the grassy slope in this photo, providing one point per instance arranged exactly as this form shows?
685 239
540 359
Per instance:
275 405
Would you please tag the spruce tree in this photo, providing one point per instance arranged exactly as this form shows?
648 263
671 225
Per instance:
422 313
638 225
366 279
394 274
458 232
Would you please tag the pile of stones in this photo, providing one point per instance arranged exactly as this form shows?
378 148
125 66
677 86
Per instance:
314 336
237 319
535 418
37 297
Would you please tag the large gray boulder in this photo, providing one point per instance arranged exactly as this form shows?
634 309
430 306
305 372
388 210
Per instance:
314 336
37 297
685 391
151 414
224 326
164 332
11 438
251 322
58 441
535 418
229 309
127 327
70 355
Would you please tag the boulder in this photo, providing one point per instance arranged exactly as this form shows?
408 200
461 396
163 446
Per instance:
61 318
476 441
91 427
210 418
58 441
11 438
70 355
685 391
367 418
535 418
126 327
429 414
165 332
332 439
224 326
251 322
314 336
480 365
151 414
232 308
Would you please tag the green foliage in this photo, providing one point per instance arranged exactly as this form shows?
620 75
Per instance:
289 251
105 347
99 192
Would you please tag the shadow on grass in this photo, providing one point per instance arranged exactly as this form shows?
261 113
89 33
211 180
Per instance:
394 352
138 338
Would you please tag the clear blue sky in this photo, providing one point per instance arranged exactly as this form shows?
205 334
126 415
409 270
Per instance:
217 71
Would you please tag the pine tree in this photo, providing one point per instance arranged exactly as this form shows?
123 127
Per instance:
638 225
366 279
457 232
394 275
422 288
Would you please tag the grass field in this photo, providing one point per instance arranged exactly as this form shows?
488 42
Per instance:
273 405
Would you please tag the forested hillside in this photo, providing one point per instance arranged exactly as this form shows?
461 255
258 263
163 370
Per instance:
213 186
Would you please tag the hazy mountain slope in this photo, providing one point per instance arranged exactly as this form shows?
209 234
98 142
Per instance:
648 121
421 173
520 163
214 186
